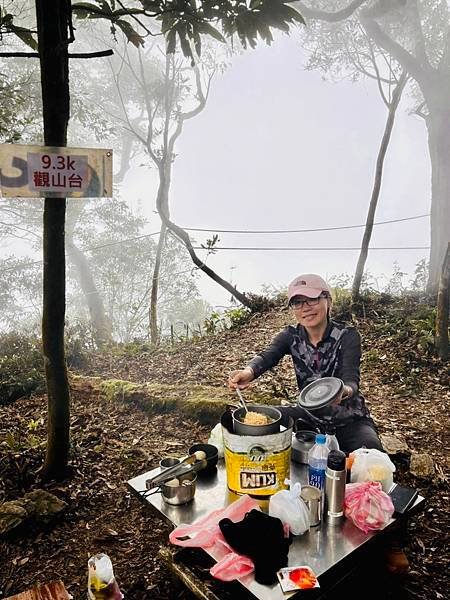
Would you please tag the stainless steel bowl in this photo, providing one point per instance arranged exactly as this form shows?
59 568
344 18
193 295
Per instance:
166 463
243 429
180 494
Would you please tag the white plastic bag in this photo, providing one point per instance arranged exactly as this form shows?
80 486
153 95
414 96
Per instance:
290 508
216 439
372 465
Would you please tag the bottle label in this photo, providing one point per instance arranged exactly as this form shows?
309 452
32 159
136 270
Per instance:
316 477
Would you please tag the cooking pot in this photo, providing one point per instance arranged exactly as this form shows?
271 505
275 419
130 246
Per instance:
245 429
180 494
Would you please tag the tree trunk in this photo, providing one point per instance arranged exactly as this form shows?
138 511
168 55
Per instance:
155 283
441 340
438 123
52 26
101 325
376 187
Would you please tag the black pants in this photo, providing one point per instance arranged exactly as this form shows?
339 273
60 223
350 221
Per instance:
359 433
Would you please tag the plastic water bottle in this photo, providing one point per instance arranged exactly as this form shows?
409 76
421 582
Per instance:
332 443
317 462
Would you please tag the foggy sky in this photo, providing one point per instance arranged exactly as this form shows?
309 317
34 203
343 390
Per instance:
279 148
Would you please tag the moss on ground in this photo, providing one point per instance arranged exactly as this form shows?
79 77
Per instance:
202 402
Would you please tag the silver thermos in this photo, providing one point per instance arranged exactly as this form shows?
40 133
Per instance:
335 476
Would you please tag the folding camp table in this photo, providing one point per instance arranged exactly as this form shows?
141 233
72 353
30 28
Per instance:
331 551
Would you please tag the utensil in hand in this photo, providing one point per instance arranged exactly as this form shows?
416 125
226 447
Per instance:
239 393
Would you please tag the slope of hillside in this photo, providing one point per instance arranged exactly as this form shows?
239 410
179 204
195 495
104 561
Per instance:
404 384
407 389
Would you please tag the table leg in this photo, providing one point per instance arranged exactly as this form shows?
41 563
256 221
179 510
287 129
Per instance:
188 578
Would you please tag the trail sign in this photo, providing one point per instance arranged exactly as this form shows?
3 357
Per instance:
46 171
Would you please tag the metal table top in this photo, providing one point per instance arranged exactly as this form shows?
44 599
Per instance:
321 548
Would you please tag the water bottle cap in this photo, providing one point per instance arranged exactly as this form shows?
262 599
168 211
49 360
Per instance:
321 438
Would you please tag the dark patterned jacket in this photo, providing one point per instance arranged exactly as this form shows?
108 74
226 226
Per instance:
338 354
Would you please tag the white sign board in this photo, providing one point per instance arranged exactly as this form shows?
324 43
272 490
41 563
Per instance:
45 171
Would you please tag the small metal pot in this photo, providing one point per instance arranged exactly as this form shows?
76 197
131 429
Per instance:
243 429
302 441
180 494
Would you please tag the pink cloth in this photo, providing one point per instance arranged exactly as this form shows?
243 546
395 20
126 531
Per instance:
205 533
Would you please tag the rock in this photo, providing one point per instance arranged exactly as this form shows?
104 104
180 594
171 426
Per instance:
393 444
43 504
12 514
38 505
421 465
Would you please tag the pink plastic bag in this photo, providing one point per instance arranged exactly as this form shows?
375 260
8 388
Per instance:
205 533
367 506
232 566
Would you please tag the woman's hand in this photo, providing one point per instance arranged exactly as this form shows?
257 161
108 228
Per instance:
347 391
241 379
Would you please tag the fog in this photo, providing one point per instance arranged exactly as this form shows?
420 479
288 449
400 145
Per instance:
286 138
279 148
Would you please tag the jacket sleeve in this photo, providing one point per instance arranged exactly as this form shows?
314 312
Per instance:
350 358
267 359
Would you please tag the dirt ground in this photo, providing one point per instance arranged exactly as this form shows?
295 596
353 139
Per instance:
407 391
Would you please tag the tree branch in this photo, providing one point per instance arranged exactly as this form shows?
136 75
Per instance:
407 60
420 47
322 15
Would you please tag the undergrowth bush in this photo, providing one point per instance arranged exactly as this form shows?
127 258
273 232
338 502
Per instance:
21 367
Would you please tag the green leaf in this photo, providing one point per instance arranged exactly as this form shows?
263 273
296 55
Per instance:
26 36
184 40
171 41
85 9
131 34
167 22
197 42
208 29
154 5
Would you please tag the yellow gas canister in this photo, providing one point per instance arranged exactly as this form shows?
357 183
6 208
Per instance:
257 465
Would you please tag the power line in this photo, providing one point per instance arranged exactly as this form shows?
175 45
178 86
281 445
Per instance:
38 262
304 230
140 237
253 248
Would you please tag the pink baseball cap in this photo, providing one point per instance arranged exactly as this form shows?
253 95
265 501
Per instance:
308 285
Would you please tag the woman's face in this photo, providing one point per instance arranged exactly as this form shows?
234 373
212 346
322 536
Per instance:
309 314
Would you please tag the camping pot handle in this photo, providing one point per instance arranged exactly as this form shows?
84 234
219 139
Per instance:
310 426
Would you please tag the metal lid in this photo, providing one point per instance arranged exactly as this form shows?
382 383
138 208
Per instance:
336 460
320 393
